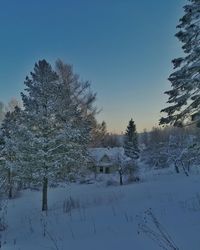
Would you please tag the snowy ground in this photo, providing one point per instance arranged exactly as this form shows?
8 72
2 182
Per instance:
108 218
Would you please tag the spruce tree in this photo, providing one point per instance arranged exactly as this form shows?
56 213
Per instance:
56 115
184 97
131 141
9 150
2 111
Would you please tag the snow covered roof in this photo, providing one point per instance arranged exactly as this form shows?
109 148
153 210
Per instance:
112 153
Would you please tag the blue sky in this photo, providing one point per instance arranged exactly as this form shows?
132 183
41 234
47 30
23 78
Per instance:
124 47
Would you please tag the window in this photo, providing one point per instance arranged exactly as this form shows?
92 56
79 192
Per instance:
101 170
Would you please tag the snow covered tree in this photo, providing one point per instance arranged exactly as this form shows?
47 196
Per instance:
101 137
99 134
2 113
113 140
131 141
181 150
154 153
184 97
76 104
122 167
9 140
172 147
57 117
125 167
144 138
79 92
174 151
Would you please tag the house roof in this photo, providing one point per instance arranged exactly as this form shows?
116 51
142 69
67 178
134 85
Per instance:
112 153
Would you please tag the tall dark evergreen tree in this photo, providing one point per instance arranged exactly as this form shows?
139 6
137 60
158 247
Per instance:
184 97
56 115
131 141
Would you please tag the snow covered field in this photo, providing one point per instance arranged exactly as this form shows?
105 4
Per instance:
100 217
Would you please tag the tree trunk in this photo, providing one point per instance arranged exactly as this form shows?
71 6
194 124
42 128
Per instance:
10 190
121 180
44 194
95 172
184 170
176 168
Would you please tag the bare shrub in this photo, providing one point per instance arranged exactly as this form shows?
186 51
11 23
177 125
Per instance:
151 227
69 204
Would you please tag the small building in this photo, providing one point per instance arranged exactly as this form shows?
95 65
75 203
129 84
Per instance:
103 159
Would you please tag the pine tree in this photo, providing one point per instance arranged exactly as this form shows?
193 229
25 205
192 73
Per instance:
9 149
56 115
2 113
184 97
131 141
40 120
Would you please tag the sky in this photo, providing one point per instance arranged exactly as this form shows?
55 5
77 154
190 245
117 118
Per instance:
123 47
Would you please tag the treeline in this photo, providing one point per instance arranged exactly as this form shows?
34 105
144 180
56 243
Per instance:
44 138
102 138
171 147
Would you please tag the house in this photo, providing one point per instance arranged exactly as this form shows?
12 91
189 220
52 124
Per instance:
103 160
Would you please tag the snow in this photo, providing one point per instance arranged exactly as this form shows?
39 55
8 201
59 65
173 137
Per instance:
98 153
106 217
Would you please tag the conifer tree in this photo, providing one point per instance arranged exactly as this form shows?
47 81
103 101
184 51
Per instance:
2 113
56 115
131 141
9 149
184 97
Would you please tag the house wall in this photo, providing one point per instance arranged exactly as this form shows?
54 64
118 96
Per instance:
112 169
